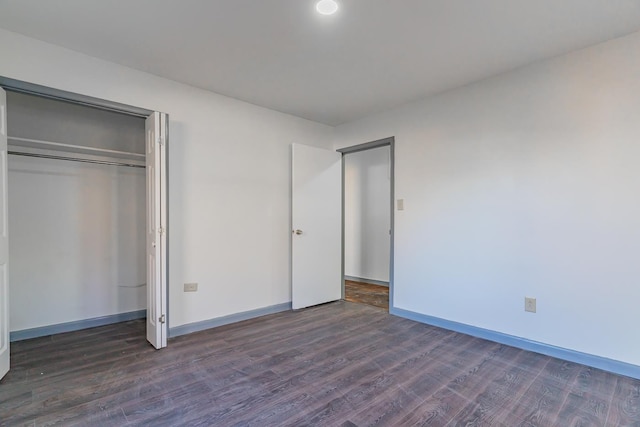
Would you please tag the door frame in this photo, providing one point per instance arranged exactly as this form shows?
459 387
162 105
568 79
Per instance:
103 104
384 142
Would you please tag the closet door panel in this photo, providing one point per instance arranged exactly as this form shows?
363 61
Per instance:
4 241
156 230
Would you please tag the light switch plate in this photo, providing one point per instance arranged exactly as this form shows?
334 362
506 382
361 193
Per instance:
400 204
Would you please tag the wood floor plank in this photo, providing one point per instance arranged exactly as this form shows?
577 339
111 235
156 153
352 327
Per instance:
625 403
256 399
339 364
589 398
541 403
327 374
366 293
494 403
442 387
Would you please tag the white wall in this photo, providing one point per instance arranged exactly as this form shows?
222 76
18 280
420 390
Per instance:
77 247
526 184
367 193
229 168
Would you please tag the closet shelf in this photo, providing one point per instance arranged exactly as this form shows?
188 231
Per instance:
69 147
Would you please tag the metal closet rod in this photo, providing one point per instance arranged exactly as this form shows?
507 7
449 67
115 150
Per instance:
76 159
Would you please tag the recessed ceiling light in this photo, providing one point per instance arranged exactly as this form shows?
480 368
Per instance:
327 7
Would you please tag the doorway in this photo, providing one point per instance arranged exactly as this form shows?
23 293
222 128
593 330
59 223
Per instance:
368 223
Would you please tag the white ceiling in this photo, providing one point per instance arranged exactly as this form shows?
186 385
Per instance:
371 56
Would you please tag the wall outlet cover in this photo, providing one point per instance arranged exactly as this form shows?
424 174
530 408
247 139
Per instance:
530 304
190 287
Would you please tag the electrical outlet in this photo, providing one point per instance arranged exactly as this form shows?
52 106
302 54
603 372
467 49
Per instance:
191 287
530 304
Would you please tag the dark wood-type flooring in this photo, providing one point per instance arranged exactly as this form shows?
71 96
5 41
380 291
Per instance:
339 364
365 293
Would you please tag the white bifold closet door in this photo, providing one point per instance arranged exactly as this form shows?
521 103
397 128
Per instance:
4 241
155 131
316 182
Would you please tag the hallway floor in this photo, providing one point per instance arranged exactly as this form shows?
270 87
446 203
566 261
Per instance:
365 293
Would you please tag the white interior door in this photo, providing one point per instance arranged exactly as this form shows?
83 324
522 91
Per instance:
4 241
316 182
156 127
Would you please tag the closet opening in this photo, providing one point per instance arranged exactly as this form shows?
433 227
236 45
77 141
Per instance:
86 197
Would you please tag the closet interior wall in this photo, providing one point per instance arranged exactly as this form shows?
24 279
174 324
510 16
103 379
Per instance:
77 230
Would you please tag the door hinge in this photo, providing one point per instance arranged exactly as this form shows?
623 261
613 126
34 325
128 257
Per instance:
161 230
162 319
161 141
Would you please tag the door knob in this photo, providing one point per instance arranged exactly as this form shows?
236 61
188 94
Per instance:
298 232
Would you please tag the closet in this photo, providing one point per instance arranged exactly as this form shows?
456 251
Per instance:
77 228
86 203
83 214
